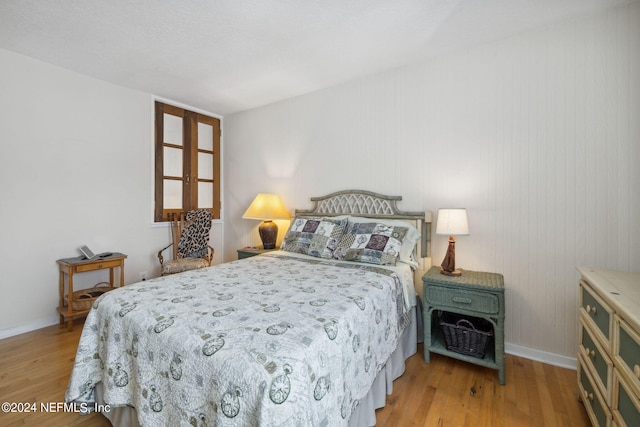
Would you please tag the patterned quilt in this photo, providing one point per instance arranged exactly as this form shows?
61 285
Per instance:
268 340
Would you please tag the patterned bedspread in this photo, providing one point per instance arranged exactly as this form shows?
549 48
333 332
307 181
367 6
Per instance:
269 340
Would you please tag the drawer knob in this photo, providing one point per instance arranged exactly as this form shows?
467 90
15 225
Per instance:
591 309
461 300
636 370
587 395
589 353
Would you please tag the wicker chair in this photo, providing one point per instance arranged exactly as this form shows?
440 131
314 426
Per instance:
190 241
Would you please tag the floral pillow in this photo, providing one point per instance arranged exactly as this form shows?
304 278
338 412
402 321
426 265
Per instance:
317 237
371 242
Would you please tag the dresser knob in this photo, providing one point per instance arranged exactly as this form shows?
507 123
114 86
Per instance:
636 370
591 309
587 395
589 353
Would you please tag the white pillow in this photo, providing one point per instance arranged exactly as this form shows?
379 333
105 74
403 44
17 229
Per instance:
408 243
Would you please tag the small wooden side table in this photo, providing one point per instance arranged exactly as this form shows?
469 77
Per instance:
249 252
474 293
70 266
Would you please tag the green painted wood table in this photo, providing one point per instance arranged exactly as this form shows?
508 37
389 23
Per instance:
249 252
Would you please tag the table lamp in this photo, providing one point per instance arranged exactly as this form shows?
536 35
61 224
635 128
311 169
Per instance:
267 207
451 222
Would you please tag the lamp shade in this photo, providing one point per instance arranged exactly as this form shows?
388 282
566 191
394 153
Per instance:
452 222
265 207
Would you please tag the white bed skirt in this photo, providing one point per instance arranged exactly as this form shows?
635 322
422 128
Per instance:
365 413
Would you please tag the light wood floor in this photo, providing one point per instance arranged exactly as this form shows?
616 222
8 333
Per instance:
35 367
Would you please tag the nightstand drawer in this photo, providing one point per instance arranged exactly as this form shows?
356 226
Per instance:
627 352
467 300
97 266
597 311
249 252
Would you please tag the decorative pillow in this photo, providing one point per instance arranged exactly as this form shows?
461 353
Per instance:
371 242
408 243
317 237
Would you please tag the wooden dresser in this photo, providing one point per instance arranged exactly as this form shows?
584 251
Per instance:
609 347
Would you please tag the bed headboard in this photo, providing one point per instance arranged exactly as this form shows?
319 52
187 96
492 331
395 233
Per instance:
371 205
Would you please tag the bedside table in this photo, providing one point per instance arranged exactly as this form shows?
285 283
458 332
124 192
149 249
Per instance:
67 267
248 253
474 293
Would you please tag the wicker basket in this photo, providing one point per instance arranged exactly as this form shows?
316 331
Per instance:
466 335
84 298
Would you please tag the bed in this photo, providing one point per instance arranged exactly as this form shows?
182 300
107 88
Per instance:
311 335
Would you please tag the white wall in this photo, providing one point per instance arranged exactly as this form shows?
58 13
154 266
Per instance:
537 136
75 168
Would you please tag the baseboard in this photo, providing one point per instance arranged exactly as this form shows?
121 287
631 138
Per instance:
542 356
37 324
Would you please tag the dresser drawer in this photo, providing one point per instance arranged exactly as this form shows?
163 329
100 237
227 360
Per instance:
627 353
597 360
626 405
593 402
464 299
598 312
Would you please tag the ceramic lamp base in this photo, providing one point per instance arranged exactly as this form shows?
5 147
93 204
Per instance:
268 234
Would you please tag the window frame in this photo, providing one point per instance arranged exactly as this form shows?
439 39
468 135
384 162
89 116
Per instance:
190 150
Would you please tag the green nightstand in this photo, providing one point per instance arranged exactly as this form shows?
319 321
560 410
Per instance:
476 294
248 252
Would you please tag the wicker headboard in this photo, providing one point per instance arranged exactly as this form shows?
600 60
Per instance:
371 205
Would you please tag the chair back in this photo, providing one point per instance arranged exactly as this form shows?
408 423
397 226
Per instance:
190 233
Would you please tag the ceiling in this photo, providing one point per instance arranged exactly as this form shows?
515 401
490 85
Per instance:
225 56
